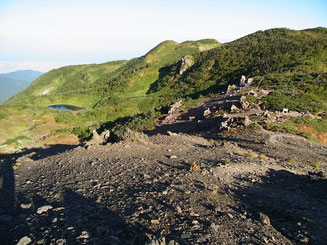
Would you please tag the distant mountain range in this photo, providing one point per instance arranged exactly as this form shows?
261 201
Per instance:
14 82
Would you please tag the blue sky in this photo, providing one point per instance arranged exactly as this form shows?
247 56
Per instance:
42 34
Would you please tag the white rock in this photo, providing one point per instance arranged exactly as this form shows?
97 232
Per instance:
26 206
84 235
44 209
24 241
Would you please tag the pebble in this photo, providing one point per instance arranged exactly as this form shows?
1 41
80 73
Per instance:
61 242
173 157
84 235
303 239
24 241
26 206
155 221
264 219
194 214
195 222
44 209
179 210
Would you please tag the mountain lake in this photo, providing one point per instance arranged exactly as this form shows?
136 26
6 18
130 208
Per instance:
66 107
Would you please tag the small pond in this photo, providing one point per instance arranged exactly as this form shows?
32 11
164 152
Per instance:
66 107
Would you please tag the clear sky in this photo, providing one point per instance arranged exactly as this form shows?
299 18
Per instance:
42 34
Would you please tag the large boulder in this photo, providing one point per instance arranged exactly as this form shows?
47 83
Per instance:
231 88
244 103
99 139
242 81
133 136
245 82
234 108
207 112
173 108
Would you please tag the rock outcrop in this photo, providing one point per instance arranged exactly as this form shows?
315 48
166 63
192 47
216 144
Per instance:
245 82
99 139
185 63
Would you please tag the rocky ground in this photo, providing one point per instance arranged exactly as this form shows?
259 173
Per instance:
246 187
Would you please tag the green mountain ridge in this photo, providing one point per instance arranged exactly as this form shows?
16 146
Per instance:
89 85
291 64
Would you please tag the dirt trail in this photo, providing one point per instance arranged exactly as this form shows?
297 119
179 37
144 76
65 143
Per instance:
251 188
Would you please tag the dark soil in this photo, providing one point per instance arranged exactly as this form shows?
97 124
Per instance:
253 187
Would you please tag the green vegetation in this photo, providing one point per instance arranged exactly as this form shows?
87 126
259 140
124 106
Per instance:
291 160
226 160
293 126
119 94
291 63
15 140
315 164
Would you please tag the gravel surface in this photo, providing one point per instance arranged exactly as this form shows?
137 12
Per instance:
251 187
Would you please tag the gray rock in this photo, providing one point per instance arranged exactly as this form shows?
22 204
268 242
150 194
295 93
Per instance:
231 88
308 114
245 82
84 235
26 205
185 63
247 121
171 133
130 135
234 108
24 159
207 112
174 107
99 139
43 209
61 242
264 219
250 80
24 241
242 81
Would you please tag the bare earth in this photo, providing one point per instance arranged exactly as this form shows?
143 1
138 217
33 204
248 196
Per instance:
252 188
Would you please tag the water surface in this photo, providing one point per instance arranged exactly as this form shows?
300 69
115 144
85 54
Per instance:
66 107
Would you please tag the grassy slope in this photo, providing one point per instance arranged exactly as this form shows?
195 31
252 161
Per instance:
28 127
291 63
109 91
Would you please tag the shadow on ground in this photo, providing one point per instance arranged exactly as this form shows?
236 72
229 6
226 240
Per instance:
296 204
